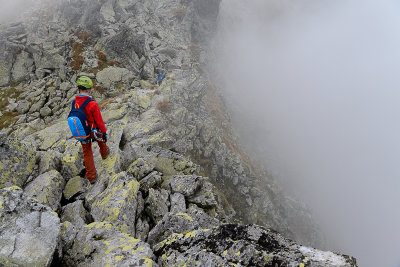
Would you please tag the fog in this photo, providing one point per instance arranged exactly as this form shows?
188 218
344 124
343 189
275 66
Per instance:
314 89
13 10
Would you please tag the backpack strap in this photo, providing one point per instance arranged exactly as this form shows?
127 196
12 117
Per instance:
73 105
85 103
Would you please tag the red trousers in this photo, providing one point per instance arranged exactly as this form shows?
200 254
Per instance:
88 158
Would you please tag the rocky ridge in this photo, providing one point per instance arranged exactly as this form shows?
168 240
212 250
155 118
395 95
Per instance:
176 188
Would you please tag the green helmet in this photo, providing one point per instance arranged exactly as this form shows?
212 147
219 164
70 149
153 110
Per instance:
85 82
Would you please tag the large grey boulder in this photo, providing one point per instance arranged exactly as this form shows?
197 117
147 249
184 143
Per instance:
47 189
101 244
242 245
17 162
28 230
157 204
114 75
117 203
75 213
181 223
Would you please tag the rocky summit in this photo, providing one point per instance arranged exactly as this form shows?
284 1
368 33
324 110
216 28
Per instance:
176 190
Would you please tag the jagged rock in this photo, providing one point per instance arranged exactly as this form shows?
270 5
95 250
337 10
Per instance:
150 181
50 160
117 203
232 244
146 85
74 187
139 169
180 223
22 67
114 75
186 185
28 230
47 189
126 47
205 197
72 160
157 204
101 244
142 229
17 162
23 106
107 11
75 213
178 204
46 111
147 71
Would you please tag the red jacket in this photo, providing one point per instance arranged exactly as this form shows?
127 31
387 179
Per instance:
92 112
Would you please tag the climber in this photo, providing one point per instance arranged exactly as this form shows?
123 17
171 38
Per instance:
97 131
160 77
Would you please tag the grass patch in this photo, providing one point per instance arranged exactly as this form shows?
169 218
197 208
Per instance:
5 94
7 119
179 13
164 105
102 62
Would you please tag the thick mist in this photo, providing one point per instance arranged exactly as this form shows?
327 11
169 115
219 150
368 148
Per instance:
314 87
14 10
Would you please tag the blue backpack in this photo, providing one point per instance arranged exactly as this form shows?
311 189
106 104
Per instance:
78 123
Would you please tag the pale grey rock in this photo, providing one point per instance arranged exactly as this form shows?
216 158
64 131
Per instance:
150 181
142 229
74 187
107 11
205 197
114 75
187 185
45 111
18 160
178 204
148 71
181 223
117 206
140 168
28 230
23 106
22 67
75 213
100 244
157 204
47 189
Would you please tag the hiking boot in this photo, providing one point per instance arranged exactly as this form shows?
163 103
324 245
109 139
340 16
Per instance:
108 153
92 181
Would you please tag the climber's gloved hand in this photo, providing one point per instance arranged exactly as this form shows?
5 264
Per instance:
104 137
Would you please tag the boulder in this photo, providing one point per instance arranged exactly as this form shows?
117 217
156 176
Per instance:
186 185
157 204
242 245
147 71
45 111
47 189
150 181
75 213
180 223
50 160
114 75
23 106
17 162
22 67
74 187
29 231
178 203
117 204
101 244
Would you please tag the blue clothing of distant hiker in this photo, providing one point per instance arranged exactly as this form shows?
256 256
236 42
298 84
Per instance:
160 77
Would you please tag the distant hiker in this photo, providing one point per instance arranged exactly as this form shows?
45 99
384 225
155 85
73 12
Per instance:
160 77
86 124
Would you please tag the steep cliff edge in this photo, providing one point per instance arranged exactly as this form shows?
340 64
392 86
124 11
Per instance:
175 181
